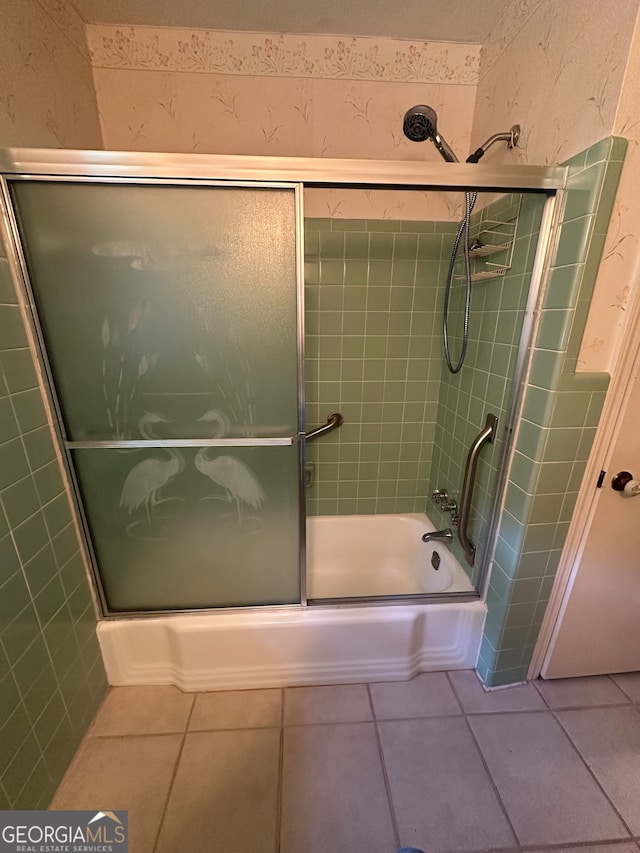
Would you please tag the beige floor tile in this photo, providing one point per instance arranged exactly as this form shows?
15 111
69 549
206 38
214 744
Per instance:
340 703
225 794
580 692
609 741
333 794
476 700
142 710
237 709
426 695
629 682
132 773
442 795
549 794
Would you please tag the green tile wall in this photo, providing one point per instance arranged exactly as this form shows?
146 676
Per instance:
559 419
372 344
51 674
484 382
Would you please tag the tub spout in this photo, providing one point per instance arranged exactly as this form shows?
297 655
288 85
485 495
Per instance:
438 535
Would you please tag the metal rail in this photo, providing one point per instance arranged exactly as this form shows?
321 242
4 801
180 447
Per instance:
487 435
334 420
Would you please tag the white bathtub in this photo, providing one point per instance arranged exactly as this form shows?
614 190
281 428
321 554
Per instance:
368 555
319 644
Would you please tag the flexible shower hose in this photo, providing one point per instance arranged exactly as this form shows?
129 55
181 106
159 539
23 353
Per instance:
463 230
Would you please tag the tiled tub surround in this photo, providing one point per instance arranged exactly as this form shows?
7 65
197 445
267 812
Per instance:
374 298
435 763
372 353
51 674
484 383
561 409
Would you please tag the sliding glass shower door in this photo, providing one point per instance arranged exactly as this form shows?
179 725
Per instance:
169 314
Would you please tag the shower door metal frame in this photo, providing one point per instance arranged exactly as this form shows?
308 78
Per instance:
20 273
293 173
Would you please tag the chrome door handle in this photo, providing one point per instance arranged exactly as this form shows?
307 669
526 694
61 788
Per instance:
334 420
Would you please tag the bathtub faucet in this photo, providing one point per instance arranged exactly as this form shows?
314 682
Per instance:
438 535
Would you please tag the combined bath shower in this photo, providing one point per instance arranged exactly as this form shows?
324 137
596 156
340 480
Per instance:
420 123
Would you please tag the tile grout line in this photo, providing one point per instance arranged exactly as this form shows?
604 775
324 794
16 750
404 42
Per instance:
620 704
484 763
593 775
630 698
280 787
174 774
493 784
579 845
385 776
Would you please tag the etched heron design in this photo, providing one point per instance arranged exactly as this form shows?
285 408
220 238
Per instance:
146 479
216 416
237 479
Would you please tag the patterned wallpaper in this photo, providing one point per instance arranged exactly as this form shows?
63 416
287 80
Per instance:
559 70
163 89
308 96
283 55
509 25
47 96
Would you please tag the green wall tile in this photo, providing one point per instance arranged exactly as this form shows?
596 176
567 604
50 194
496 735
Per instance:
9 562
555 413
13 332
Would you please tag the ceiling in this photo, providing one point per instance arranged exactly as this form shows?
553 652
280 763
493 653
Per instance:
419 20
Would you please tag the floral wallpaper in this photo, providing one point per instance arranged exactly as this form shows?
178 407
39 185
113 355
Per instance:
309 56
617 285
311 96
561 77
167 89
512 21
47 96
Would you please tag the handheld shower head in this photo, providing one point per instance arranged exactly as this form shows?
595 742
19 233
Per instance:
421 123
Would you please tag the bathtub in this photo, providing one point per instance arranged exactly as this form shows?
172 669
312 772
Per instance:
351 556
371 555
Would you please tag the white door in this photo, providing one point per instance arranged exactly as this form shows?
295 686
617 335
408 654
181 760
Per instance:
598 630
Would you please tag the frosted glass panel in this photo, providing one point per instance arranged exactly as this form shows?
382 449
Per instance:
167 311
222 530
169 314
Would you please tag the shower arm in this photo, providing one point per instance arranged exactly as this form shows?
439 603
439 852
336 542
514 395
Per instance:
510 137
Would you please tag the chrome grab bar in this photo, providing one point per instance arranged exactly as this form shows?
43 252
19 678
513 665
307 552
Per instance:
334 420
487 435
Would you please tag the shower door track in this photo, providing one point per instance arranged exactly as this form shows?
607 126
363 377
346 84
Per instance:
211 170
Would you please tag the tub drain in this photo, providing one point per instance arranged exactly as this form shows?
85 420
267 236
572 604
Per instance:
435 560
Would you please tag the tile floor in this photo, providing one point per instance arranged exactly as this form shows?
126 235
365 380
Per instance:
434 763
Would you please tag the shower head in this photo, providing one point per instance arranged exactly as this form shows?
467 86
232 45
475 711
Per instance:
421 123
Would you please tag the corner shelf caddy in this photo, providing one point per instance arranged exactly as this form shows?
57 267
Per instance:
494 237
